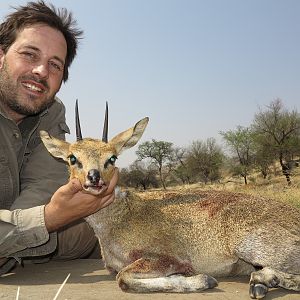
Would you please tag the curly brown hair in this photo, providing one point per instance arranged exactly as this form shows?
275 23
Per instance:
39 12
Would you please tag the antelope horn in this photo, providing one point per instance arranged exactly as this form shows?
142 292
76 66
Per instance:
105 127
78 129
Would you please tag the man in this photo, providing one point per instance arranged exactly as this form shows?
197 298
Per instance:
40 214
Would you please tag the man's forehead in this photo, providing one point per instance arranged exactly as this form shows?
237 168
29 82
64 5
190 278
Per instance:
42 29
40 36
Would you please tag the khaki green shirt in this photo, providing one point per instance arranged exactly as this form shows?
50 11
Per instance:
29 176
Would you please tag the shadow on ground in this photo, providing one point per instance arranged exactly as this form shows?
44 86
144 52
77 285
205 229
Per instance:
89 280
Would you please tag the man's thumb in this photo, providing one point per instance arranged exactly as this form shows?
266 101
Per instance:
72 187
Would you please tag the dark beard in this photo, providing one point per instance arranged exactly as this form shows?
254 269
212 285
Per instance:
9 96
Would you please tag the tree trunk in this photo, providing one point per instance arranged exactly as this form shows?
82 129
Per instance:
188 180
264 173
161 179
285 171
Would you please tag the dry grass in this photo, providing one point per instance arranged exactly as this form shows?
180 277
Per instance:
275 188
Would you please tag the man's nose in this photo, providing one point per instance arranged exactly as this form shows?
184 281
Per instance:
41 69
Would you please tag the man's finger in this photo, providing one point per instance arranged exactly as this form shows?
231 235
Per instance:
113 182
72 187
107 200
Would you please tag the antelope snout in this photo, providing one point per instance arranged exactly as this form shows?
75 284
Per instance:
93 176
94 184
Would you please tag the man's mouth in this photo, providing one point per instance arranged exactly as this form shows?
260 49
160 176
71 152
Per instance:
34 87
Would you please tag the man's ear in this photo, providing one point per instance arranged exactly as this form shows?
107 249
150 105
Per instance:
56 147
1 57
129 137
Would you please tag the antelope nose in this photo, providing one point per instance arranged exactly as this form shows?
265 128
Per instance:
93 176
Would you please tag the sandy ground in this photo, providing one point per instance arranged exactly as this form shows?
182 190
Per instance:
89 280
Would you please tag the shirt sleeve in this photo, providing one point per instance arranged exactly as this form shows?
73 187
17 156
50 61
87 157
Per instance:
23 226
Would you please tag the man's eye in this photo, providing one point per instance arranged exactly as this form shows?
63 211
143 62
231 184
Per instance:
28 55
72 159
55 67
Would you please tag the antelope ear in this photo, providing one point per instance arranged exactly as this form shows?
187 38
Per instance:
129 137
56 147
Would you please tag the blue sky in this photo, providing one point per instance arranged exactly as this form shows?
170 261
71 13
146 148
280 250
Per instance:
194 67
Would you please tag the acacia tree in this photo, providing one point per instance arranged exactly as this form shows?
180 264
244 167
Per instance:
160 153
205 159
241 144
182 170
278 130
263 158
138 175
143 175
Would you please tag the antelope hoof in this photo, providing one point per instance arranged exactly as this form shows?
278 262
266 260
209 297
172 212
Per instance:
212 282
258 290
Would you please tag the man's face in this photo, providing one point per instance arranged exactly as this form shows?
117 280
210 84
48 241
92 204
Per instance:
31 71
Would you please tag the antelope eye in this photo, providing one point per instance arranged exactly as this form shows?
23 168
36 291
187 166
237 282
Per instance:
111 161
72 159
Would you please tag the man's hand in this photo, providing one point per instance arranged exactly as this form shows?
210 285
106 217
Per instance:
70 203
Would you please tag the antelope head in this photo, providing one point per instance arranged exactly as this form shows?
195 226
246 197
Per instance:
92 161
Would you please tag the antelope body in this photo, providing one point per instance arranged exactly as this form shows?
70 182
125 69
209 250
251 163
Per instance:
180 243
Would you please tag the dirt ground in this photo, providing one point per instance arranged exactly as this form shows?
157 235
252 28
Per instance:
89 280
